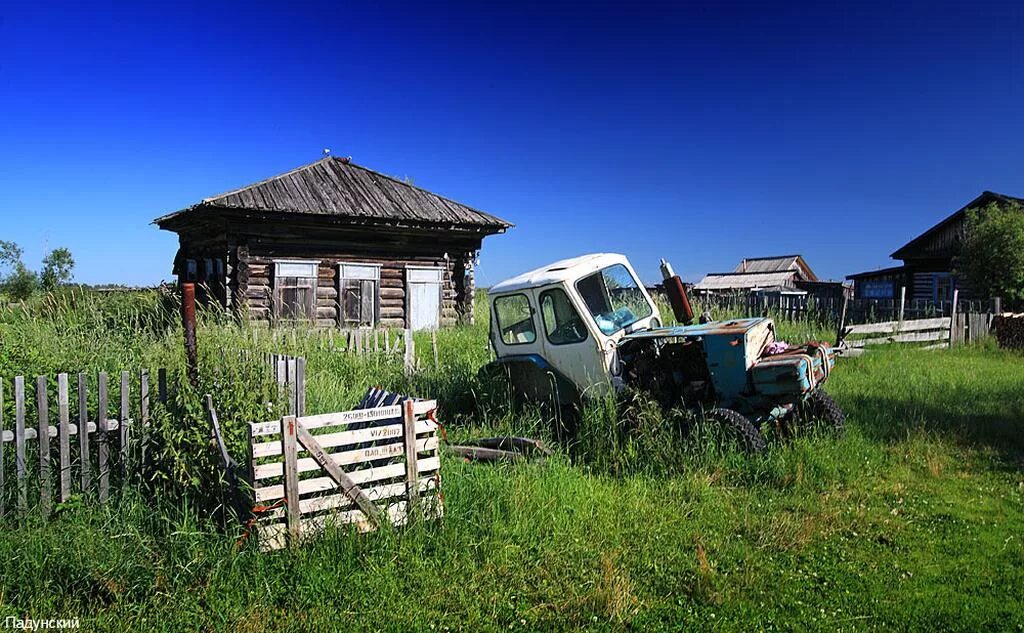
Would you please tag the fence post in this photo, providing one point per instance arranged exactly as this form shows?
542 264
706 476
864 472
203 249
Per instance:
161 385
410 353
953 336
83 430
103 448
143 416
43 414
291 479
20 467
842 322
300 386
123 428
903 304
63 437
412 484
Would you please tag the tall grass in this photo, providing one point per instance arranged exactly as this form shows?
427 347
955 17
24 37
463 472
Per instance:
909 522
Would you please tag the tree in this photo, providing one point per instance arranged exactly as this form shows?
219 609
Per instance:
17 280
57 268
992 258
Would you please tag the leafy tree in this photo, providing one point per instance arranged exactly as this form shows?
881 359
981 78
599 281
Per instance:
992 258
21 283
57 268
17 281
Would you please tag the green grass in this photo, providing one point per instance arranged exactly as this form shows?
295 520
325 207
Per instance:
911 521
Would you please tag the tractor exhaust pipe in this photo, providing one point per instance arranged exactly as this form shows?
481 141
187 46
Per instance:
676 294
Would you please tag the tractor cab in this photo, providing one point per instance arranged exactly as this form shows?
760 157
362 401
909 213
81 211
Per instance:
563 322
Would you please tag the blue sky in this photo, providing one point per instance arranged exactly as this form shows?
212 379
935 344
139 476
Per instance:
701 132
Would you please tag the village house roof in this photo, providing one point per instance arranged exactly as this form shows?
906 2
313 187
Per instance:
746 281
910 248
777 263
338 188
780 271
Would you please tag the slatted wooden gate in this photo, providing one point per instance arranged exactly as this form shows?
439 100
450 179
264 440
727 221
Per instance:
356 468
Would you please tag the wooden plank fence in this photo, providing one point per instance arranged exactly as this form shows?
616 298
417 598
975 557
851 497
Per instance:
58 458
830 309
935 333
356 468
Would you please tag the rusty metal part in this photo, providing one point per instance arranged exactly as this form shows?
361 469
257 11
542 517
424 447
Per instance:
188 322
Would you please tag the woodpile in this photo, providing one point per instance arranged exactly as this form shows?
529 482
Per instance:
1009 330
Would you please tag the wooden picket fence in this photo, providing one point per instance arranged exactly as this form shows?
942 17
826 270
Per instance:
357 468
102 444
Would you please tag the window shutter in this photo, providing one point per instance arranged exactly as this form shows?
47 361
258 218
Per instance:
368 302
351 300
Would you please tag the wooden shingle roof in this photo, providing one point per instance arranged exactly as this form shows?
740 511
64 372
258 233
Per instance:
912 248
339 188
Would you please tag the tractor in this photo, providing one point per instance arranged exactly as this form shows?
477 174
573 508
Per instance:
583 328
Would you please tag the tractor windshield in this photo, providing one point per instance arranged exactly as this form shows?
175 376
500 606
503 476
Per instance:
614 298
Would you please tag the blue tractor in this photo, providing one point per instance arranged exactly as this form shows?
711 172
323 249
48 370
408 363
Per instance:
585 327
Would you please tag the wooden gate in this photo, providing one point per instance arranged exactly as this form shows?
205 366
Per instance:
357 468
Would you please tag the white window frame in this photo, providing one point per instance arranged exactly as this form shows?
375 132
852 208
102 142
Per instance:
375 318
281 271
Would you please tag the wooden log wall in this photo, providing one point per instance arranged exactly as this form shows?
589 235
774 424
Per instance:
259 270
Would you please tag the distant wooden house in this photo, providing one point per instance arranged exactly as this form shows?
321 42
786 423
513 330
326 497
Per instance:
759 273
927 270
334 243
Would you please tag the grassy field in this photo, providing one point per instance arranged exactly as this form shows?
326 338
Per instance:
912 520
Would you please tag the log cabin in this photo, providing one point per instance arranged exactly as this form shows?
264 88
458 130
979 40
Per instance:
337 244
928 271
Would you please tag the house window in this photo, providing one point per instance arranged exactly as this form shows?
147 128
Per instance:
943 287
208 269
295 289
359 294
876 289
190 270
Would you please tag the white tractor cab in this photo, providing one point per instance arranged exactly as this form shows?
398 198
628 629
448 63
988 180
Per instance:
569 316
585 327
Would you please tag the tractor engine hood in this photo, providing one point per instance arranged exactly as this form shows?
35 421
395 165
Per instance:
715 328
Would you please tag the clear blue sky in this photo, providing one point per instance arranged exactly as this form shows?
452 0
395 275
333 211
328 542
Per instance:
702 132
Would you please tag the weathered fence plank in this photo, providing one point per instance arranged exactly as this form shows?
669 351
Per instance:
102 440
42 413
83 435
20 466
63 438
291 478
143 432
409 439
125 416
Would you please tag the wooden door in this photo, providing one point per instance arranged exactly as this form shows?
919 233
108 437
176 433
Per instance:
423 297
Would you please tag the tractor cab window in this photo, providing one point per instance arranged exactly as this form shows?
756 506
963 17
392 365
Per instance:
515 319
614 298
562 324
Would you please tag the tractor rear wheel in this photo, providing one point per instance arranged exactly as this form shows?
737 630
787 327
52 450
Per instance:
738 428
819 412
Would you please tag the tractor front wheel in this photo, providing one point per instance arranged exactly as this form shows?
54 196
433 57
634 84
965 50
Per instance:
736 427
819 412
